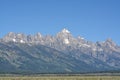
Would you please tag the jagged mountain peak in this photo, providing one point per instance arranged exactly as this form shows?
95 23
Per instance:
38 35
109 41
65 31
10 34
64 34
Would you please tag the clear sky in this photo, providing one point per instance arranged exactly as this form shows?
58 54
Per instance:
96 20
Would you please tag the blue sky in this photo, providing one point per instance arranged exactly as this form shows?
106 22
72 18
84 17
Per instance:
96 20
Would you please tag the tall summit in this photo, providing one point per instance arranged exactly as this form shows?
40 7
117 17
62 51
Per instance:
65 36
65 31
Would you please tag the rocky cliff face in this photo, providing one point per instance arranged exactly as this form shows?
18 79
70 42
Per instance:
17 48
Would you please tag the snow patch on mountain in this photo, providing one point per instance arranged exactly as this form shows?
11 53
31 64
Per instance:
80 37
14 40
21 41
66 41
65 31
86 45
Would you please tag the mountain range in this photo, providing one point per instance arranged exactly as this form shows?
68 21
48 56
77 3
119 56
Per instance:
61 53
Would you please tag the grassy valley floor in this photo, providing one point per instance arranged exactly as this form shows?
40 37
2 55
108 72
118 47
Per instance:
62 78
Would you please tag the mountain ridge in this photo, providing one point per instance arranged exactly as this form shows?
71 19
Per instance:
59 53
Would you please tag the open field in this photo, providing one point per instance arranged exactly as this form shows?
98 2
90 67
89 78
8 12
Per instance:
62 78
